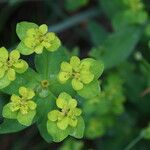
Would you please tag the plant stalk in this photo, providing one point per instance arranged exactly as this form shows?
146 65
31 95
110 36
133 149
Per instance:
134 142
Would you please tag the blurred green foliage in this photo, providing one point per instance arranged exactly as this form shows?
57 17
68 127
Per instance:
73 5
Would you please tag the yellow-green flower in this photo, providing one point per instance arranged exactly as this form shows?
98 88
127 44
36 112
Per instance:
135 8
10 64
39 38
135 5
22 107
68 116
78 71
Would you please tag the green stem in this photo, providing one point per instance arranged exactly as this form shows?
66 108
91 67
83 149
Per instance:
74 20
146 64
134 142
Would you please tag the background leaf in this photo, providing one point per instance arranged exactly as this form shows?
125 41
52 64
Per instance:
97 32
118 46
111 8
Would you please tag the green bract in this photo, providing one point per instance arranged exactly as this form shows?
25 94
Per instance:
35 38
10 64
22 107
78 71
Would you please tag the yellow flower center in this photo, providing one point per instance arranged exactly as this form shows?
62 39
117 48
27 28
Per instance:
9 63
76 75
45 83
65 112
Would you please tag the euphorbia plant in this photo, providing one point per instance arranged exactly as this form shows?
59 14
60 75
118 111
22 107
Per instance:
53 95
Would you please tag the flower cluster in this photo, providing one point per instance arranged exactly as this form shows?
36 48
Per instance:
68 116
10 64
135 8
135 5
78 71
36 38
84 74
22 107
